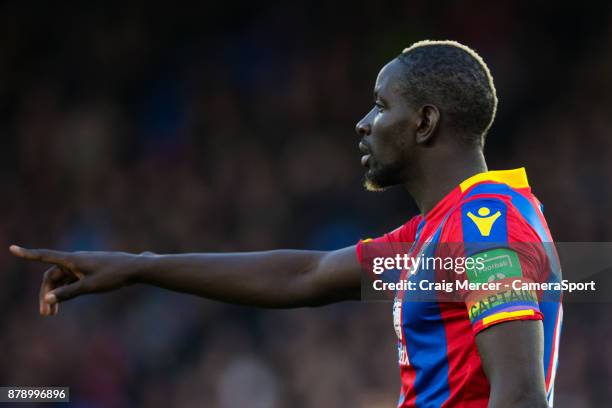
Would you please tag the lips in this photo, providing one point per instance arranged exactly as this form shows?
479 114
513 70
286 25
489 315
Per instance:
366 156
364 159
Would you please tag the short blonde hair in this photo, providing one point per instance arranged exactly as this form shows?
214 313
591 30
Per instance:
460 71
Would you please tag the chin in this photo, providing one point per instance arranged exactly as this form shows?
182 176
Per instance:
380 179
372 183
372 186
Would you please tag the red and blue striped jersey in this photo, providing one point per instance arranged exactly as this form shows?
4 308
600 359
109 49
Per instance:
438 358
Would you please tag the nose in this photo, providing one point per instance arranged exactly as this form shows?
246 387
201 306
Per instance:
363 128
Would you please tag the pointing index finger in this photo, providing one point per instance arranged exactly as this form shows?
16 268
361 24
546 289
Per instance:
42 255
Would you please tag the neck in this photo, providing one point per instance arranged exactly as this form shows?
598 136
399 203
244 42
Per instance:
441 175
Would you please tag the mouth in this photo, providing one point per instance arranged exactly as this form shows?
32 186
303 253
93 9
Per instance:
364 160
366 157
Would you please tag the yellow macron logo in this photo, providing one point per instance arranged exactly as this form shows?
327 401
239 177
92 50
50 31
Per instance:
484 221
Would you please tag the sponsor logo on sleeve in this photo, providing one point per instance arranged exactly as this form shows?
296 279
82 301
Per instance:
484 220
496 264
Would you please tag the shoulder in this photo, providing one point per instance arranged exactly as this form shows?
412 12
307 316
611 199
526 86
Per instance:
487 218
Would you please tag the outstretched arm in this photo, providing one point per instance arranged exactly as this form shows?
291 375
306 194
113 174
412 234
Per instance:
274 279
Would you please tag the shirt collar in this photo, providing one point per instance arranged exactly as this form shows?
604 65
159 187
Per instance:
515 178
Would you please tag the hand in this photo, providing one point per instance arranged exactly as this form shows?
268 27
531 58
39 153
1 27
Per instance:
77 273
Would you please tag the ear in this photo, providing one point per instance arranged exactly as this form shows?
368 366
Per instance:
428 120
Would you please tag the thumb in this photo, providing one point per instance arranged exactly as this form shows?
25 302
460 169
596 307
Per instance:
67 292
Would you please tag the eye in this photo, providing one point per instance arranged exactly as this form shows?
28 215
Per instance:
379 106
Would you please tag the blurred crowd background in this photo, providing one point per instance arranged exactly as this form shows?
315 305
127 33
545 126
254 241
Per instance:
229 126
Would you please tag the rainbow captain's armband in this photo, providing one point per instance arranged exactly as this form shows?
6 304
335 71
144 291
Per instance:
487 308
500 317
497 307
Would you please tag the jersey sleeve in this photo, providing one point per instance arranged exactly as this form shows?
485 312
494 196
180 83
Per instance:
405 233
499 252
386 245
